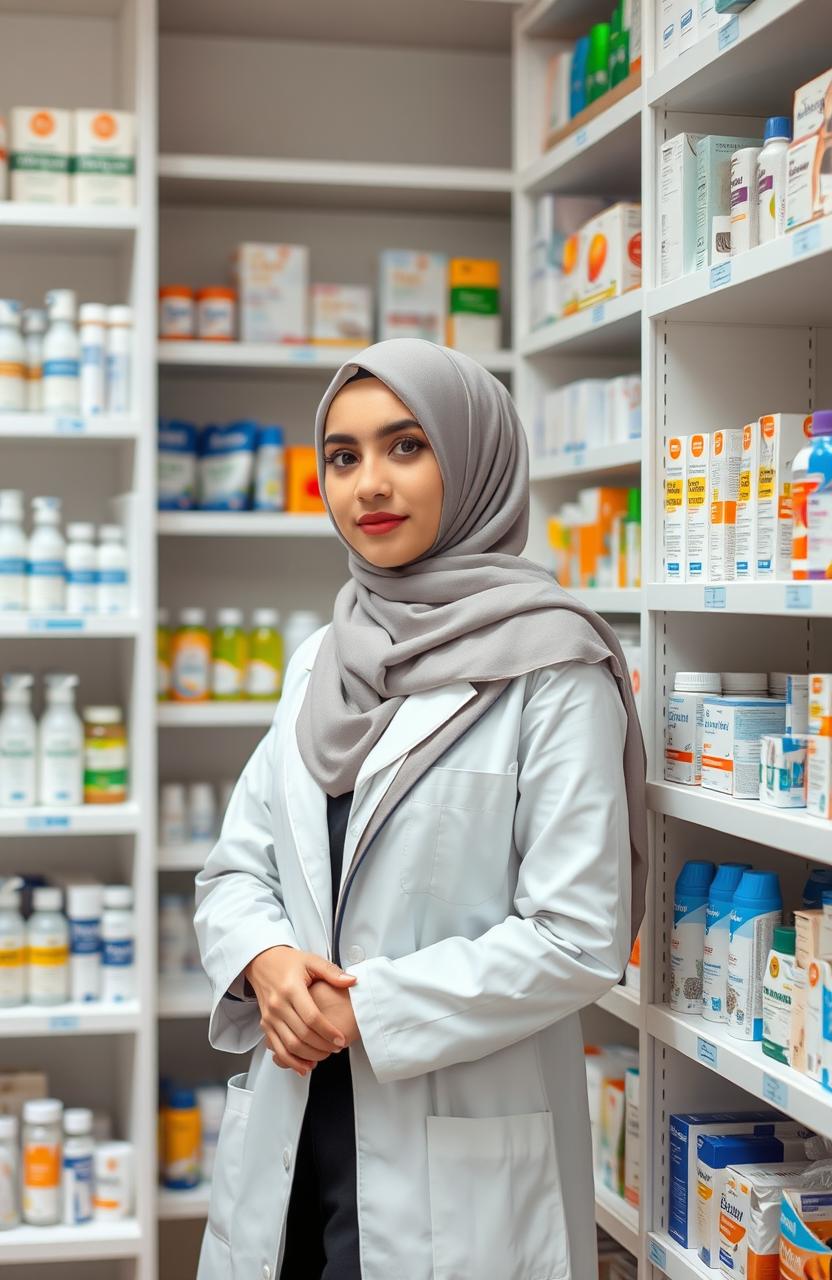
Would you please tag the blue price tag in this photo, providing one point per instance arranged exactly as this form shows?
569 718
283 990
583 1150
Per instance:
775 1091
715 597
720 275
580 138
302 354
730 33
64 1022
806 240
658 1255
706 1052
56 624
799 596
48 822
69 426
579 456
598 314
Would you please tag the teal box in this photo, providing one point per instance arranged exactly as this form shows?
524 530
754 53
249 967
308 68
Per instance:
713 187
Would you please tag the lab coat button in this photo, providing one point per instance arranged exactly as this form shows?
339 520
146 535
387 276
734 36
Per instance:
355 954
287 1160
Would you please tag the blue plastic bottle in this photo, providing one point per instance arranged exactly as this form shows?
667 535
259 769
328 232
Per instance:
690 899
820 878
756 909
577 79
717 921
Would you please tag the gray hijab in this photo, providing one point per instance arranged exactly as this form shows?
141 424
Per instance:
471 608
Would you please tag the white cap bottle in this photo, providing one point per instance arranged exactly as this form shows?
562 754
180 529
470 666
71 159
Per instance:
78 1173
47 938
113 572
61 354
60 745
202 811
118 968
47 558
93 318
119 358
173 815
14 552
12 358
34 328
81 569
18 743
13 951
83 912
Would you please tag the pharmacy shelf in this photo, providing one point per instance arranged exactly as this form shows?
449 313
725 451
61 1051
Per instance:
601 157
789 38
184 996
563 18
674 1261
243 524
807 599
611 328
64 226
184 1205
584 462
622 1003
183 857
617 1218
790 830
86 820
221 356
786 278
51 426
214 715
68 624
72 1019
608 599
333 184
744 1064
83 1243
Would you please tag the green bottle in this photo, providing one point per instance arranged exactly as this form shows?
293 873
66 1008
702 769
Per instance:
630 561
264 675
229 657
598 62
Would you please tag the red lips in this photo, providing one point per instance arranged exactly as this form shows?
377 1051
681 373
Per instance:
380 517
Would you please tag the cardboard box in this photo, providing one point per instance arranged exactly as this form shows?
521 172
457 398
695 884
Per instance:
667 31
675 508
749 1220
732 728
698 507
39 155
783 771
610 262
272 286
716 1155
104 163
623 409
805 1227
726 458
814 1020
745 558
677 206
303 494
819 777
820 704
612 1135
781 437
797 1030
474 304
807 936
632 1193
809 105
413 295
342 315
797 704
713 187
17 1087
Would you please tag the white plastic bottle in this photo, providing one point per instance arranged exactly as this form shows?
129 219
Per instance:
12 952
173 815
14 552
175 932
18 742
47 942
113 579
119 359
47 558
9 1173
690 900
83 911
81 569
118 970
77 1166
93 317
12 358
771 179
34 328
61 354
300 625
202 811
42 1198
60 745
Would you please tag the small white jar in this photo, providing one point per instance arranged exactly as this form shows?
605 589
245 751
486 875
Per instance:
173 815
176 312
216 314
78 1166
118 940
112 569
81 574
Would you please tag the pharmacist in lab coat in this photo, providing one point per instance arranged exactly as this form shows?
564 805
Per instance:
450 805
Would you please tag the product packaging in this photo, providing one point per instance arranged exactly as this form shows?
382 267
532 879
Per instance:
713 187
226 466
731 733
303 494
749 1220
778 986
612 1136
783 771
745 562
716 1154
744 199
805 1230
609 1062
697 507
675 514
809 100
690 901
342 315
780 438
612 263
797 704
104 163
413 295
814 1019
272 282
677 206
176 465
216 314
725 460
797 1028
555 254
39 159
715 943
631 1137
820 704
623 409
772 168
176 312
819 777
756 911
269 470
667 31
474 304
807 925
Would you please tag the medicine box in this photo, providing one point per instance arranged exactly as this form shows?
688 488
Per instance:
745 559
803 181
303 494
797 1026
716 1154
683 739
104 164
675 494
781 437
698 506
342 315
825 967
726 456
808 105
677 206
413 295
820 703
39 155
805 1230
807 925
819 777
814 1020
783 771
474 304
667 31
613 1104
610 262
731 731
273 285
631 1137
623 410
749 1220
713 187
797 704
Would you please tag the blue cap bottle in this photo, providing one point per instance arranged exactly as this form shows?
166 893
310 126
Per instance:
756 909
778 127
690 898
820 878
715 959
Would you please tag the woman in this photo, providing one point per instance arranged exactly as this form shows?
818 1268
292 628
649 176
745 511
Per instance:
451 801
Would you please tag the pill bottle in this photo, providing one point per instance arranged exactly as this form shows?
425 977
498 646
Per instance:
175 931
42 1198
47 949
112 571
211 1102
113 1181
34 329
162 655
772 163
687 942
173 815
12 359
683 725
77 1166
12 955
81 569
819 881
202 812
118 939
756 910
176 312
777 684
229 656
182 1140
47 558
190 658
14 552
83 912
9 1173
61 354
715 950
18 743
105 756
93 333
270 470
216 314
300 625
743 180
264 675
60 745
119 382
745 684
778 985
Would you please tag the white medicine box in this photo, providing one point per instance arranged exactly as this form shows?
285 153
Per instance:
726 457
342 315
610 255
272 285
675 494
782 435
40 151
413 295
104 164
677 206
698 507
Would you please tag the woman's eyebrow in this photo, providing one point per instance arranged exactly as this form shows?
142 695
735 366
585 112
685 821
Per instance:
379 434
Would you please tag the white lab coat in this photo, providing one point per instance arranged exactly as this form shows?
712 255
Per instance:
492 906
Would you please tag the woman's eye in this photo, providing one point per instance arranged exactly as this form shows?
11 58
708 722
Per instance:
340 458
409 445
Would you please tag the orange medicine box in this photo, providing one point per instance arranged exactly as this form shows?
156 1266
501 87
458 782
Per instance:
303 494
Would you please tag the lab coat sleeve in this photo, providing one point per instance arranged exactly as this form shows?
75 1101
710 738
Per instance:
240 909
460 999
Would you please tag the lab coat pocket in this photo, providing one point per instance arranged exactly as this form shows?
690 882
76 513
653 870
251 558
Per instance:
228 1162
458 835
495 1198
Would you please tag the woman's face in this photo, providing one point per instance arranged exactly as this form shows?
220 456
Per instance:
382 479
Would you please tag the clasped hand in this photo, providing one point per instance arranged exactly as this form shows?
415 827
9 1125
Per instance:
305 1008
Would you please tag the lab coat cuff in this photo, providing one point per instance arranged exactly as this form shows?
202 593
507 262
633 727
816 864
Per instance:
370 1024
235 1016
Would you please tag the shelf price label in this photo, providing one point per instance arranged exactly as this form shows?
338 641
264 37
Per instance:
806 240
597 313
799 596
729 34
48 822
658 1255
706 1052
65 426
579 456
303 355
715 598
720 275
775 1091
581 138
57 624
64 1022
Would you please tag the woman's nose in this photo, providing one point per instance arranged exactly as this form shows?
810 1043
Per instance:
372 481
